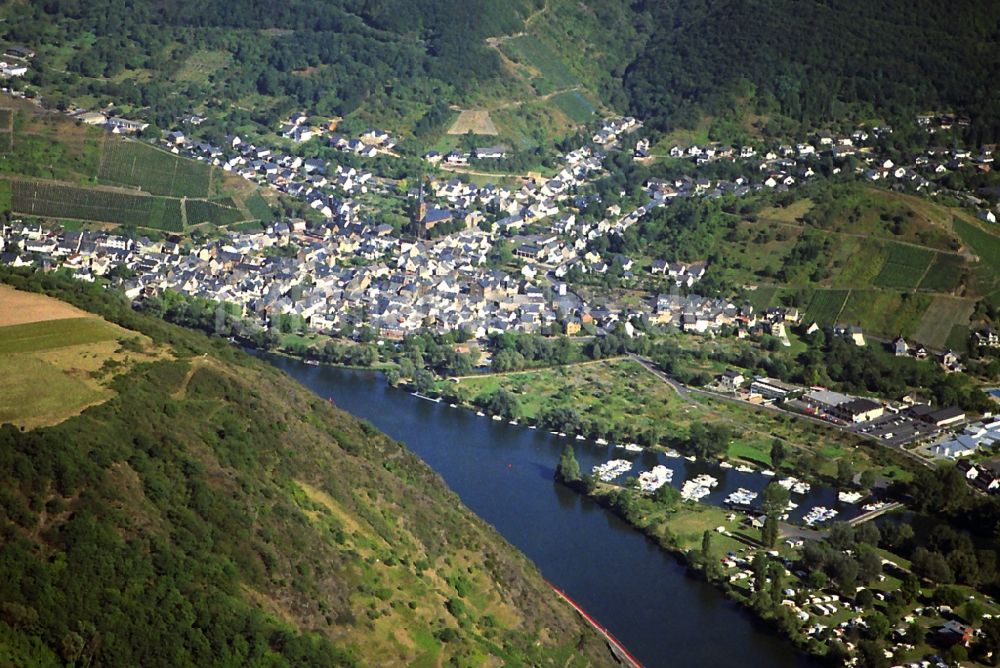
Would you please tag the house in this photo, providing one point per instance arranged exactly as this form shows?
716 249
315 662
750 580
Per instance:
731 380
491 153
899 347
950 361
953 632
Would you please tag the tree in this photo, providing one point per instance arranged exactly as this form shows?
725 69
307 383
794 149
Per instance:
877 625
769 532
568 470
706 545
778 453
864 598
845 473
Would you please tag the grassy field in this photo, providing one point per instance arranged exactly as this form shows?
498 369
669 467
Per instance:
258 207
18 307
133 163
530 51
629 399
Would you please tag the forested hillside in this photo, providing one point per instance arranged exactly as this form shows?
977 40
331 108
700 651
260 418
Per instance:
214 512
266 57
817 61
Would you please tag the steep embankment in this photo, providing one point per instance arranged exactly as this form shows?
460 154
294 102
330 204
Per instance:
214 511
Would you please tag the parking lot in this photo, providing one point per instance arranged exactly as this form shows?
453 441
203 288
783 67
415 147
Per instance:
895 430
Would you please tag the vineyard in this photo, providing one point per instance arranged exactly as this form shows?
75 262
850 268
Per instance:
60 201
199 211
133 163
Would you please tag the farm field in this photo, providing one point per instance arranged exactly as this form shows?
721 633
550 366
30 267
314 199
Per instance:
51 200
939 319
904 267
18 307
133 163
54 362
885 313
826 305
200 211
575 105
944 274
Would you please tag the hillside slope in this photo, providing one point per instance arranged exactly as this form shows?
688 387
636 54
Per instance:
215 512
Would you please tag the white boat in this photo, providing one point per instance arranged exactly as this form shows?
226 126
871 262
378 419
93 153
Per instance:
632 447
531 426
741 497
743 468
496 418
691 458
601 441
480 413
453 405
657 477
610 470
579 437
849 497
670 452
563 434
769 473
513 422
725 465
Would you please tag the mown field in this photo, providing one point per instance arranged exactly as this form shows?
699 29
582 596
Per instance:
50 200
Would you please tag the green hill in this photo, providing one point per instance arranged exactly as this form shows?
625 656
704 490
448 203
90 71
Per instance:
214 512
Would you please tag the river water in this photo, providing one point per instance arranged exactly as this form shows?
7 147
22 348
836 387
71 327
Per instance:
505 473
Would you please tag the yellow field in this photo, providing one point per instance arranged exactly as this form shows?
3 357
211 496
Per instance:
17 307
56 360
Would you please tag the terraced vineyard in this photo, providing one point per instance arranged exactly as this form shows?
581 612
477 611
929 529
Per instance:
133 163
51 200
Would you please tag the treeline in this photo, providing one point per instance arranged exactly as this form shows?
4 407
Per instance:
816 62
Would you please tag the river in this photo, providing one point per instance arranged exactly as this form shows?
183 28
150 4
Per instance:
505 473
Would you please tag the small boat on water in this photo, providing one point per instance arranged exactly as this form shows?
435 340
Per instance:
691 458
453 405
725 465
632 447
480 413
579 437
670 452
514 422
601 441
312 362
743 468
496 418
769 473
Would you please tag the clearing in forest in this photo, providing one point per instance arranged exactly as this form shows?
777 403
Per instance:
478 122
